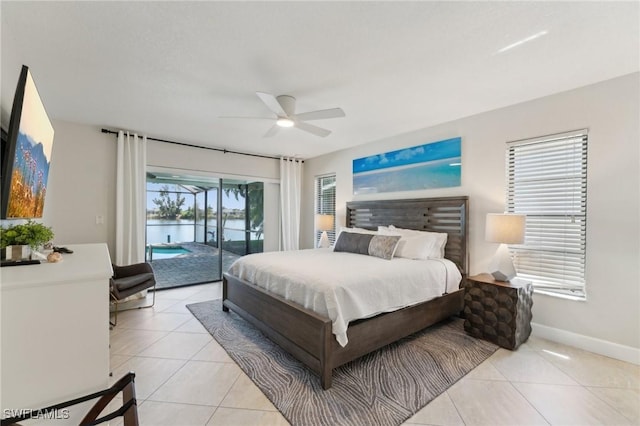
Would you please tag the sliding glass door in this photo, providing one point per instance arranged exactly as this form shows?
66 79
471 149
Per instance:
197 226
242 219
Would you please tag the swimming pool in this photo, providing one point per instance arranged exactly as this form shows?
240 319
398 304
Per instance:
165 251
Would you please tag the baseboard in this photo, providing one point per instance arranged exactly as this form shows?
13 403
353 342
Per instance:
591 344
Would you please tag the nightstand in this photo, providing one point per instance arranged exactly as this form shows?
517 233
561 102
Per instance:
497 311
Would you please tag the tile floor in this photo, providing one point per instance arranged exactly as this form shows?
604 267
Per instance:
183 377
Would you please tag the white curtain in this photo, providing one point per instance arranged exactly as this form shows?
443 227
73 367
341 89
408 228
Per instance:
130 198
290 195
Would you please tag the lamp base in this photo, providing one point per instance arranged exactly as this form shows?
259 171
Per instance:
324 240
501 266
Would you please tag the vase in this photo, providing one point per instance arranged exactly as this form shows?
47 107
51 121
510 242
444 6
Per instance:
18 252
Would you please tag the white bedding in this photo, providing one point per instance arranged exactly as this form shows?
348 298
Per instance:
347 286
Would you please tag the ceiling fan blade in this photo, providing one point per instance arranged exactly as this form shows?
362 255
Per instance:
272 103
321 114
318 131
244 116
272 131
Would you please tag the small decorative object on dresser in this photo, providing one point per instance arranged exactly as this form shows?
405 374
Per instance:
54 257
498 311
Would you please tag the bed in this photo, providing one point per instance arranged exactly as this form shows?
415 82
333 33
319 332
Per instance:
308 336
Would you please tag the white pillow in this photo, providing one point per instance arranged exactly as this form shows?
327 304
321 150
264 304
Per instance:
358 231
417 244
411 246
439 243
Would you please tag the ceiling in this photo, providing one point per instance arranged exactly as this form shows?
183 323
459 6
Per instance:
170 69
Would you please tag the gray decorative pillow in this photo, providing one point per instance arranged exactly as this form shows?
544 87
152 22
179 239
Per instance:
352 242
383 246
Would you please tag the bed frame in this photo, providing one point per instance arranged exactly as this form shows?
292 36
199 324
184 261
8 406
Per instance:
307 335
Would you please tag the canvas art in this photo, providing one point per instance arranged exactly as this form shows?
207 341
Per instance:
32 158
428 166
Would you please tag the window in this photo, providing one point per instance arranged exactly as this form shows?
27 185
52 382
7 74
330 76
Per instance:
170 216
547 181
326 203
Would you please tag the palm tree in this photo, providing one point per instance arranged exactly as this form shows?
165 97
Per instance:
255 193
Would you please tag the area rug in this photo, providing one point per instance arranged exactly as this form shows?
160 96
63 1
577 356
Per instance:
385 387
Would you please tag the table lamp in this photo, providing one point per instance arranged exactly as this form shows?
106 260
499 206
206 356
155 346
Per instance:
504 229
324 223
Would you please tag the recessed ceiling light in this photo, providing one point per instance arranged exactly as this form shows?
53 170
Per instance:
284 122
523 41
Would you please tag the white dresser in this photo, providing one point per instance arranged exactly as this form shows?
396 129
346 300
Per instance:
55 329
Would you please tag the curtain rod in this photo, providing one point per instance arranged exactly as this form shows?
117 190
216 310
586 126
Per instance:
224 151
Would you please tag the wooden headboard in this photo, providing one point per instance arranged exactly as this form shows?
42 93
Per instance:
446 214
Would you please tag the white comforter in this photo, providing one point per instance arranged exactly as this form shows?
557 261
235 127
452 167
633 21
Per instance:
347 286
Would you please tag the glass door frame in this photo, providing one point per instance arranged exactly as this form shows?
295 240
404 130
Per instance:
208 182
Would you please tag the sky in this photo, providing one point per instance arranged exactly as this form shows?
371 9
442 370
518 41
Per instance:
35 121
449 148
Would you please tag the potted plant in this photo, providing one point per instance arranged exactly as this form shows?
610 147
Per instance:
32 234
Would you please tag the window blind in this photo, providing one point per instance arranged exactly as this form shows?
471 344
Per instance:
547 181
326 202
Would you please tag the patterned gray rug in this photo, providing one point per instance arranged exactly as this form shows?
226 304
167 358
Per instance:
385 387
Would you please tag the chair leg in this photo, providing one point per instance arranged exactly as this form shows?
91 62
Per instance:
115 320
154 298
153 301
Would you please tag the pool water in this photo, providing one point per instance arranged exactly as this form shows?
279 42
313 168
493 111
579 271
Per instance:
167 252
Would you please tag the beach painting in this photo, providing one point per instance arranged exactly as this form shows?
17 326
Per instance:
429 166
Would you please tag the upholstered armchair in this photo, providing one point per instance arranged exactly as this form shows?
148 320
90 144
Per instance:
129 280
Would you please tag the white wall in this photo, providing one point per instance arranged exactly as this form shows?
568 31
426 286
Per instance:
81 185
610 110
271 216
82 182
160 154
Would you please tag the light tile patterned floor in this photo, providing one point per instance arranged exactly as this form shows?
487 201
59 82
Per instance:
183 377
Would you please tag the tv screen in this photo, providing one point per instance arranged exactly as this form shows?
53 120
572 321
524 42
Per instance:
27 153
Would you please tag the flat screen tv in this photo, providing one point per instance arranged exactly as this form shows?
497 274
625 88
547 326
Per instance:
26 153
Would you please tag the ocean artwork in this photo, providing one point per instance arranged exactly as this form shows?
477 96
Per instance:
429 166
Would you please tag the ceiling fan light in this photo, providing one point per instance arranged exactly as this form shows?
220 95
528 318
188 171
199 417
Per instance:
284 122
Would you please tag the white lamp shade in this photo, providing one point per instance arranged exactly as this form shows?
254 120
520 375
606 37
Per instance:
505 228
324 222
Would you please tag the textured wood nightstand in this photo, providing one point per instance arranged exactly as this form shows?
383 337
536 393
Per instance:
498 311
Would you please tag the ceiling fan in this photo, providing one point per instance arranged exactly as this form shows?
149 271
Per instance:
284 107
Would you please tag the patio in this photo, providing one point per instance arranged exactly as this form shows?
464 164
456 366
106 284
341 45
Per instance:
200 265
